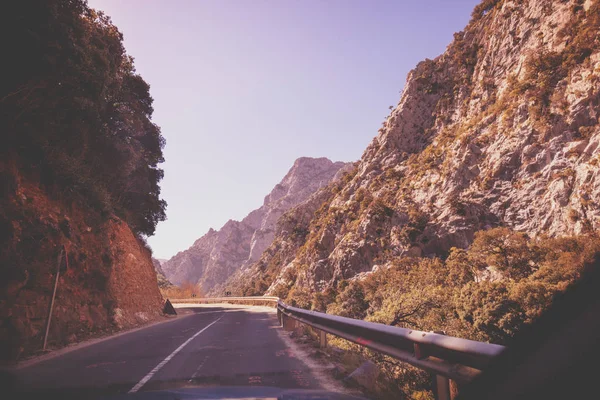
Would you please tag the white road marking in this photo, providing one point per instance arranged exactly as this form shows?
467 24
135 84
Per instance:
150 374
221 311
198 369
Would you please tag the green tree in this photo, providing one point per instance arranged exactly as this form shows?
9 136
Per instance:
504 250
76 114
322 299
461 267
350 302
489 308
299 297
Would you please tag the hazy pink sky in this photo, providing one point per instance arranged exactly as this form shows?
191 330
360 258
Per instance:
243 88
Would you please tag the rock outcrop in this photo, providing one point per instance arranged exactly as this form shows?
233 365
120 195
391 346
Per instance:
163 282
292 229
109 283
213 258
501 129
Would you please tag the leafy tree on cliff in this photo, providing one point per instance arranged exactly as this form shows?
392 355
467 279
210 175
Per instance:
75 113
460 295
504 250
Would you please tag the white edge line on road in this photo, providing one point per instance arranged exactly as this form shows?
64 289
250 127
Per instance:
92 341
150 374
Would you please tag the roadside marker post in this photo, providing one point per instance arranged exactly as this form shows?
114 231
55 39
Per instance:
49 319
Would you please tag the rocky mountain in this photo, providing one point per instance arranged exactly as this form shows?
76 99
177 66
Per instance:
501 129
292 229
218 254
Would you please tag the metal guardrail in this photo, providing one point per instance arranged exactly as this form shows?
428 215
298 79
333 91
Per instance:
231 300
445 356
454 358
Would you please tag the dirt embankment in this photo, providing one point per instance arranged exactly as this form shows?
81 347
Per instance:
110 283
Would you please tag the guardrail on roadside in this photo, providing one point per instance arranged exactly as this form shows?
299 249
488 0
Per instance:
447 357
253 300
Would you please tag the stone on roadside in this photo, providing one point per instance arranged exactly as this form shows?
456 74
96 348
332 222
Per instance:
365 375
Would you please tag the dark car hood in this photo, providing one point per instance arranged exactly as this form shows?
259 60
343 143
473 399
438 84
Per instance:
235 392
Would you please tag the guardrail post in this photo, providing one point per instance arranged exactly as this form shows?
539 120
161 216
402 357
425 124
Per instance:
322 339
418 351
279 318
441 388
289 324
441 384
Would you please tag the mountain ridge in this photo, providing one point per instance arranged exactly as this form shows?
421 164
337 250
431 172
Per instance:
217 254
499 130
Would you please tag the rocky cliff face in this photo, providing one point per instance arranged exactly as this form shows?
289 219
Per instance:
109 283
501 129
218 254
163 282
291 232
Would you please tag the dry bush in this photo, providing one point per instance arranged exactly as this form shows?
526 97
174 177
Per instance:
186 290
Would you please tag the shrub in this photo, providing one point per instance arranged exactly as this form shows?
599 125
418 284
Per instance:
321 300
350 302
186 290
487 306
417 221
379 208
482 9
299 297
504 250
458 296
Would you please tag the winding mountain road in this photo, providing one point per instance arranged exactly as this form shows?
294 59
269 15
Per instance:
210 346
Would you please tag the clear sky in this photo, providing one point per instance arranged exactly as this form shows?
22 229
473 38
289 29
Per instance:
243 88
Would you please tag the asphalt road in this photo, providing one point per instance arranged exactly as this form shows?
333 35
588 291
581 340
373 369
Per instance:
212 347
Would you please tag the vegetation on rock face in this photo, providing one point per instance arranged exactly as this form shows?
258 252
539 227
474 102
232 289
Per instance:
218 255
501 129
186 290
163 282
76 115
79 154
488 292
295 225
483 8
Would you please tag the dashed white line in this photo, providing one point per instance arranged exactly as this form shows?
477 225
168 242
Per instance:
198 369
150 374
218 311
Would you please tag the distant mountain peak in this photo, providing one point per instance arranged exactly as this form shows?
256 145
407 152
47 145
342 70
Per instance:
219 253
